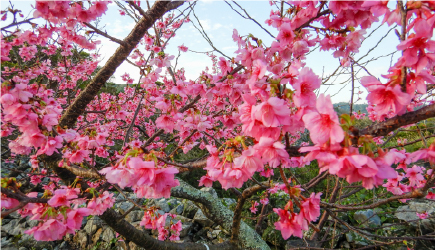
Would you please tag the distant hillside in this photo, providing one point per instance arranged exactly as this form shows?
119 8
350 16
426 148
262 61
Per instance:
344 107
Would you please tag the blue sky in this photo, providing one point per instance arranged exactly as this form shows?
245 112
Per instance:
219 20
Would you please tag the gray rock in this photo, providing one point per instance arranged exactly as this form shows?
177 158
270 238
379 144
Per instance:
367 217
274 237
211 191
81 239
134 216
173 203
213 234
228 201
108 235
7 244
163 205
14 227
178 210
409 213
123 206
32 223
133 246
93 225
84 221
27 240
291 244
150 202
357 240
132 196
200 218
5 221
190 209
393 229
345 244
22 248
64 246
97 235
15 215
185 228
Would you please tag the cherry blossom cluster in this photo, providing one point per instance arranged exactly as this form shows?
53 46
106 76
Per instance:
246 119
153 220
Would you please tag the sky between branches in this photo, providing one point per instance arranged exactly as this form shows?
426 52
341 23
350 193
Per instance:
218 21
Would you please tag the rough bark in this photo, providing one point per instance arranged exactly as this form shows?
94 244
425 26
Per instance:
383 128
217 212
140 238
247 193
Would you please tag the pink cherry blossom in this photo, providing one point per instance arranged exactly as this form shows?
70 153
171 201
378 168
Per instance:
306 83
50 230
272 151
422 216
254 206
258 71
285 35
386 98
182 48
63 197
324 126
8 203
165 122
311 207
272 113
414 175
290 224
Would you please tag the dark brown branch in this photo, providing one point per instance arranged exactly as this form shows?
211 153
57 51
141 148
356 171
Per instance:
356 190
22 198
411 142
238 211
77 108
325 214
417 193
87 173
174 163
111 38
182 143
127 135
403 21
316 180
248 17
142 130
18 23
307 23
262 216
9 211
383 128
140 238
96 112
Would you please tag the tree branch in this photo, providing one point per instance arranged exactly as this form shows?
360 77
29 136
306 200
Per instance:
111 38
77 108
140 238
383 128
217 212
235 229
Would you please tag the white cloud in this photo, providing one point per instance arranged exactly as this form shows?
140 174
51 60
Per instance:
217 26
120 29
206 24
